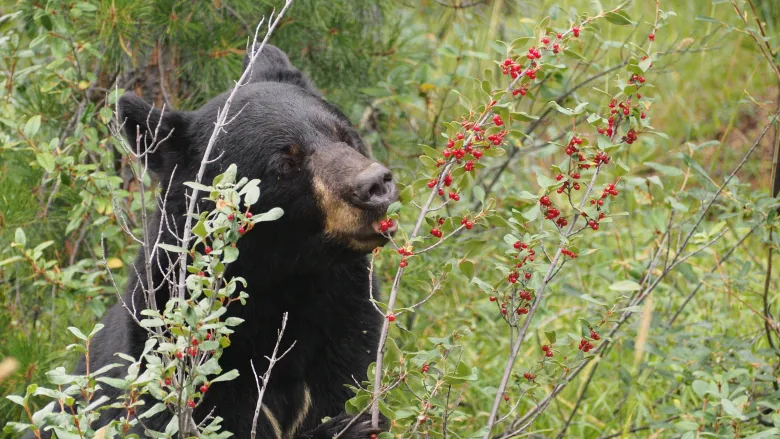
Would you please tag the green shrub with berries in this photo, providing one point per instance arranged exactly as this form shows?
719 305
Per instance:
585 231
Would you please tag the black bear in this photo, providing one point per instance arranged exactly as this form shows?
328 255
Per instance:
311 263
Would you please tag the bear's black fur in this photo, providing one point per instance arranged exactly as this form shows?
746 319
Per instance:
310 263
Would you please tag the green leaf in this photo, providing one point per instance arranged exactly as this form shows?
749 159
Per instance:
522 116
700 387
573 54
16 399
467 268
32 126
271 215
394 207
172 248
75 331
198 186
252 195
46 160
666 170
551 337
687 426
645 63
229 254
772 432
731 409
200 229
406 195
233 374
20 238
152 323
590 298
479 194
519 42
619 18
625 285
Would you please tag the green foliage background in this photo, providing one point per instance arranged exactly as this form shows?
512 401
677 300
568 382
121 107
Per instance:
394 68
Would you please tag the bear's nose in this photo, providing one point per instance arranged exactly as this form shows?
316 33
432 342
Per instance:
374 188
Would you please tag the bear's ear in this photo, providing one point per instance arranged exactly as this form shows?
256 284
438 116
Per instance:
273 65
157 135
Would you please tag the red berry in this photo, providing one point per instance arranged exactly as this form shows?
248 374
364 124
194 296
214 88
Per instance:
230 217
506 397
545 40
179 355
460 136
425 368
249 214
168 381
241 230
191 404
643 115
549 354
651 37
203 388
432 183
194 342
403 263
391 317
207 250
545 348
493 298
576 31
528 275
209 336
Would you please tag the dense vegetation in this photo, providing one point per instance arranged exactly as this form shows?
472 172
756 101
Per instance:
662 319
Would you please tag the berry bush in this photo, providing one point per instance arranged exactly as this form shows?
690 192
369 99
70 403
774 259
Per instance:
586 222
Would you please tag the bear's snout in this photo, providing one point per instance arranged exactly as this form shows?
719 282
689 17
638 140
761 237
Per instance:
373 189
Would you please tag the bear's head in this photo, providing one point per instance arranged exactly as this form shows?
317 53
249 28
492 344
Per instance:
309 158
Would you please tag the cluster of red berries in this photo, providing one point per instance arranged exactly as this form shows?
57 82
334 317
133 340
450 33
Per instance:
403 263
534 53
630 136
636 78
425 368
511 68
571 148
529 257
403 251
601 157
529 376
575 186
435 231
547 351
525 295
454 196
498 138
514 276
609 190
385 224
522 310
467 223
497 120
519 91
585 345
610 129
569 253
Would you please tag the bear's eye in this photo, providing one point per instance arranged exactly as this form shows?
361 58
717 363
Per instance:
292 159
